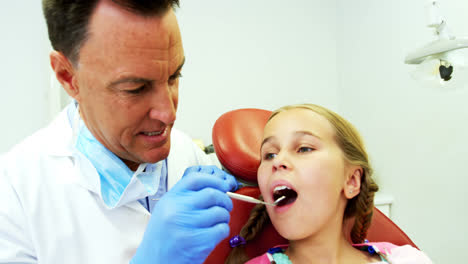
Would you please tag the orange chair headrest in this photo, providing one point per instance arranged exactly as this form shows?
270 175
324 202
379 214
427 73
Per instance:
237 138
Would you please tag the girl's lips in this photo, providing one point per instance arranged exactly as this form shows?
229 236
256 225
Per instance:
283 188
284 208
280 183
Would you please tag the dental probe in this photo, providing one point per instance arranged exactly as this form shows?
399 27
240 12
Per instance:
249 199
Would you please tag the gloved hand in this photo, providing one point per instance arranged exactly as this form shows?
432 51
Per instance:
189 220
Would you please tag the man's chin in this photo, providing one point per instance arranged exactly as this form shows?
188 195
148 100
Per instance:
153 155
157 154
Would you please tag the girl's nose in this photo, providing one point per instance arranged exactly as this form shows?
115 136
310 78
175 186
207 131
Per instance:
280 163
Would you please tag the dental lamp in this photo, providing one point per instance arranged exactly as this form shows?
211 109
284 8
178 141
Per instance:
438 56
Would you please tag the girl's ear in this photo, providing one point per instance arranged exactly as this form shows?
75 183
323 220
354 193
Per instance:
352 185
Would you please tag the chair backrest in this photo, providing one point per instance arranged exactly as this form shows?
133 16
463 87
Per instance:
236 139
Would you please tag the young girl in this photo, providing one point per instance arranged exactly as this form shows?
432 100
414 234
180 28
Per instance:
317 160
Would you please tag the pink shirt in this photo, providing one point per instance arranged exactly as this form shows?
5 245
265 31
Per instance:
395 254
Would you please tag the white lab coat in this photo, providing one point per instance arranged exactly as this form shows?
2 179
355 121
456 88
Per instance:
50 207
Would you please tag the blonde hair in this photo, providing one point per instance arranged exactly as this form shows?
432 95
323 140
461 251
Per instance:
360 207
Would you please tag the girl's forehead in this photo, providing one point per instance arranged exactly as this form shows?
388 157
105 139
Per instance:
293 120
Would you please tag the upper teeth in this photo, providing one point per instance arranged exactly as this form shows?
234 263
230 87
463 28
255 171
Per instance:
153 133
279 188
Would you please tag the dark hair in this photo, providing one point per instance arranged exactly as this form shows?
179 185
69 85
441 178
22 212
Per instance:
68 20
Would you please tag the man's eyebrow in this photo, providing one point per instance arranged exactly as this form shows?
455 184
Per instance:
141 80
179 68
130 80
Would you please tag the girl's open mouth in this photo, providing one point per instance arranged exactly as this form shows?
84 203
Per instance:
289 194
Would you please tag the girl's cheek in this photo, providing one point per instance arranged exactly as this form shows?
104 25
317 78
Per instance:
262 183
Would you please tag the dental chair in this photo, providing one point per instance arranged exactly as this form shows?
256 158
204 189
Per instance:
236 140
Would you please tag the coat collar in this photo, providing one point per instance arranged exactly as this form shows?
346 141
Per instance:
62 145
60 133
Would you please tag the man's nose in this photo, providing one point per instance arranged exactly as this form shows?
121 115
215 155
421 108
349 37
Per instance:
164 104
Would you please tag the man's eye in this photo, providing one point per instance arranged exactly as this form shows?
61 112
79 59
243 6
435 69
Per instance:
269 156
305 149
137 90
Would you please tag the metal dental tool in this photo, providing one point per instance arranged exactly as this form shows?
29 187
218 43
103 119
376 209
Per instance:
249 199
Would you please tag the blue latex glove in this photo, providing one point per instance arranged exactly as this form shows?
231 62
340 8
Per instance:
189 220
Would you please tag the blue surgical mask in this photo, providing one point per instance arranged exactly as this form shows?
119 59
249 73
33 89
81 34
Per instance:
119 184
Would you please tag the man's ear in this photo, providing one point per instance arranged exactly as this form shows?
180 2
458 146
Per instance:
353 182
65 73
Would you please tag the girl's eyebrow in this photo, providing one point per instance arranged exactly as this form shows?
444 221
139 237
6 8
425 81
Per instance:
306 133
297 134
270 138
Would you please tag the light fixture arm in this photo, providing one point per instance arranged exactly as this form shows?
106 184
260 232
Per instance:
445 40
437 21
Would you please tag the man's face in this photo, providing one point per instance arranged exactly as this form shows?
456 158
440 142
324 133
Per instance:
127 82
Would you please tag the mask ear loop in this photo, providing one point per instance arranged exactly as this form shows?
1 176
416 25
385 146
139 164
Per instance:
76 125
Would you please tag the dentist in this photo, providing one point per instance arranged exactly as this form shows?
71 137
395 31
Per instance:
107 180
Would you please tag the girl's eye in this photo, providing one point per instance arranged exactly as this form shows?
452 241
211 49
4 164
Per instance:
305 149
269 156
